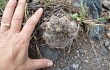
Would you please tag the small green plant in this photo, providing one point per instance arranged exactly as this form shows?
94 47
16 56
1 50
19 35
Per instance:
102 19
74 16
81 16
47 2
83 10
2 5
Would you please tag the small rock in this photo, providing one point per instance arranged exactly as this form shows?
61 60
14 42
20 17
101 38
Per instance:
81 51
76 4
86 61
108 34
74 67
49 53
95 8
106 43
109 48
96 31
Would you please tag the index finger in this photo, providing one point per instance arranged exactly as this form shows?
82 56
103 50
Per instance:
31 23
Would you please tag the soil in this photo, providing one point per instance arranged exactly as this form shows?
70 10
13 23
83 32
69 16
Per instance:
90 50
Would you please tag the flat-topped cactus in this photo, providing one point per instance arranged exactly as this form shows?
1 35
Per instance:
59 32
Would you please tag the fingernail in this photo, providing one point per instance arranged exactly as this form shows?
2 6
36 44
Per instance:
12 0
50 63
40 9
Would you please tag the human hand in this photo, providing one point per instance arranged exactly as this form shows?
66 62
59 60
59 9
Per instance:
14 41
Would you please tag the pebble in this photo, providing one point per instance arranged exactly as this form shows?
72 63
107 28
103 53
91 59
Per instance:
106 48
74 67
77 51
106 43
76 4
87 57
96 32
109 47
81 51
86 61
71 67
108 34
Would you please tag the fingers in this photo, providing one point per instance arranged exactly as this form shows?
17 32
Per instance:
7 15
38 63
31 23
18 16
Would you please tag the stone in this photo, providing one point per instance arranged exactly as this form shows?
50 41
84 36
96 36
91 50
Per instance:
108 34
76 4
95 8
96 31
49 53
81 51
109 48
74 67
71 67
106 43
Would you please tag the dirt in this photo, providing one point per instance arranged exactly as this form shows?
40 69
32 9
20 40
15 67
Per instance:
89 50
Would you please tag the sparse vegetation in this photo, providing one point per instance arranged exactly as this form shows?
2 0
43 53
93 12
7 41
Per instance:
83 14
47 2
83 10
74 16
55 31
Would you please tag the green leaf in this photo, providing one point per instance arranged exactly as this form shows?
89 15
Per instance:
74 16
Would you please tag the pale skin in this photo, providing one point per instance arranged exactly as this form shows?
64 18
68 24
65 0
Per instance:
14 40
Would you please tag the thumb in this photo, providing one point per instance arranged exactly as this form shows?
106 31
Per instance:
38 63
